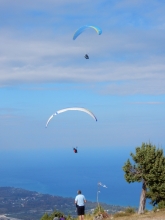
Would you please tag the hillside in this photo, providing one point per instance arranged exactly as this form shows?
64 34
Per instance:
31 205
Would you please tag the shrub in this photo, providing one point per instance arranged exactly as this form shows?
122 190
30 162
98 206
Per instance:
98 210
161 205
130 210
127 212
51 216
121 214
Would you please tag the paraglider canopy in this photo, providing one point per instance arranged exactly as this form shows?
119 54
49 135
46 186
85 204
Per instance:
100 184
72 109
83 28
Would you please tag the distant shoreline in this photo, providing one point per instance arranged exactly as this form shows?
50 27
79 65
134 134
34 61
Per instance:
19 204
4 217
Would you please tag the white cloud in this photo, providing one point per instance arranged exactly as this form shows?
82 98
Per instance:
128 59
139 66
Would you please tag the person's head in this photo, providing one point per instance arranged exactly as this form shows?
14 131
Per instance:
79 192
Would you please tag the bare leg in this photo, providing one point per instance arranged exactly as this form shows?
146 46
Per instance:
81 217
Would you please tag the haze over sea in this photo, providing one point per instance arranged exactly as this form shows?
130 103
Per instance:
60 172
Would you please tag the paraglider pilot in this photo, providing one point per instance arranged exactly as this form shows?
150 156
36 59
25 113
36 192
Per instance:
75 150
86 56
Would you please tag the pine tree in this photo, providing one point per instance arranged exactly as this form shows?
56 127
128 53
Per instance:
156 182
148 168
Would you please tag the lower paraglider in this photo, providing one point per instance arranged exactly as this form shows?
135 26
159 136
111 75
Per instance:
86 56
73 108
75 150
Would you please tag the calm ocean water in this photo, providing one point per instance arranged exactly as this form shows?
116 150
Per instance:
61 172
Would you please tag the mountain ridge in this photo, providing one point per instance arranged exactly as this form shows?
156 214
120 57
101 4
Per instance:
31 205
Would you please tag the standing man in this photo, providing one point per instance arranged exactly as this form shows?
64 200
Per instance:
80 204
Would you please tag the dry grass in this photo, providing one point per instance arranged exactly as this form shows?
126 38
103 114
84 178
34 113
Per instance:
159 215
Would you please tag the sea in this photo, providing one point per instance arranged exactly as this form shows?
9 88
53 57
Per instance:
61 172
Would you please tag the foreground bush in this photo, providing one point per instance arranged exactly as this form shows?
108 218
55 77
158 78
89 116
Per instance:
55 213
98 210
130 210
160 206
127 212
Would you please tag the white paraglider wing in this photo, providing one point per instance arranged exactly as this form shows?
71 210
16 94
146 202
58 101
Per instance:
72 109
50 119
102 185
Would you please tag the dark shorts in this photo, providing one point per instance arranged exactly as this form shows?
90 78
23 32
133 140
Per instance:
80 210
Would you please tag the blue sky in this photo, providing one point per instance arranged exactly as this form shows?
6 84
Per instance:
43 70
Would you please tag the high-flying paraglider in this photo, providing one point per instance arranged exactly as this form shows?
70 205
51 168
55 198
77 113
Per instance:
84 28
72 109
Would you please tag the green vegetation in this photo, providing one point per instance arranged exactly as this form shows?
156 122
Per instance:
148 168
98 210
55 213
130 210
127 212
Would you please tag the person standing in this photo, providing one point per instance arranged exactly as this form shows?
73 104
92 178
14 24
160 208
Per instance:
62 217
56 217
80 204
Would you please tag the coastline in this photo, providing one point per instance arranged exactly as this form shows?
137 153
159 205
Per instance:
4 217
